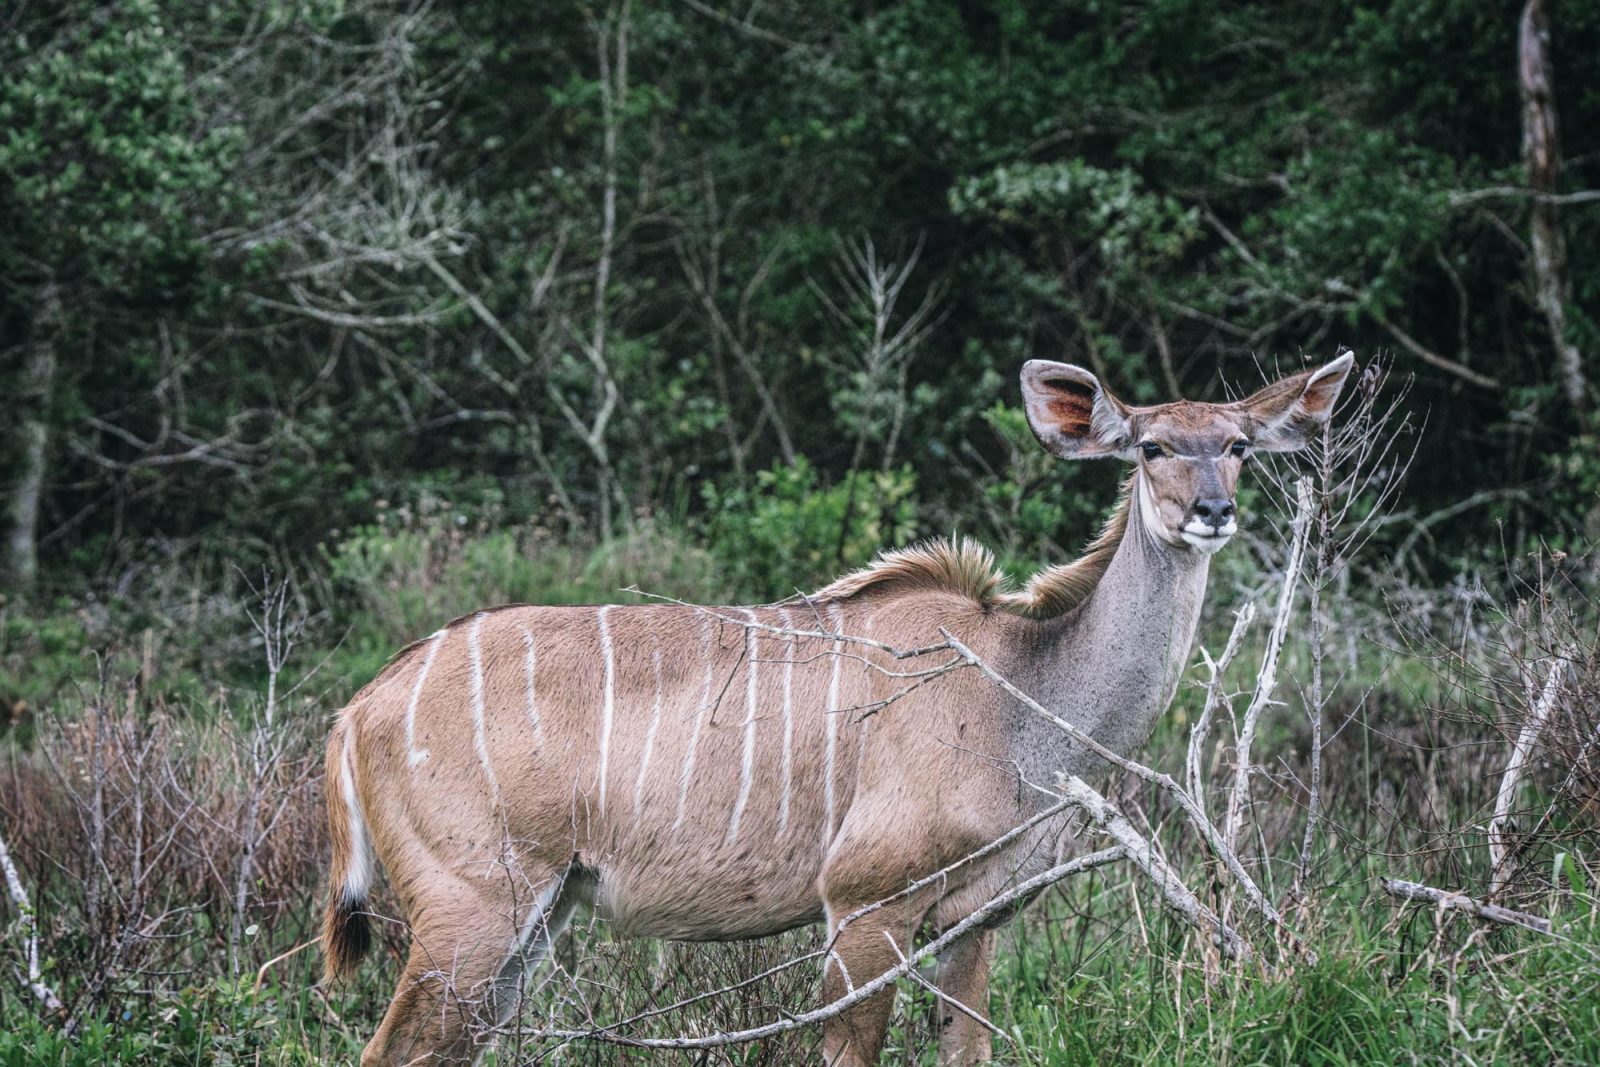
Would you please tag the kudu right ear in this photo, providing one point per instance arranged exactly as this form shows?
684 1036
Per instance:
1072 414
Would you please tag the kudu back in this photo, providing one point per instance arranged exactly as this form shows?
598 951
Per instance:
709 774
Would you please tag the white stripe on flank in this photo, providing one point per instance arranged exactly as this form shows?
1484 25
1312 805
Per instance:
608 706
528 664
699 716
649 739
788 722
475 651
358 876
747 765
863 723
829 715
414 756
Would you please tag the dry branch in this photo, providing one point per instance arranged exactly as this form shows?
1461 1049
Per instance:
28 924
1267 677
1143 853
1161 780
997 905
1538 715
1445 900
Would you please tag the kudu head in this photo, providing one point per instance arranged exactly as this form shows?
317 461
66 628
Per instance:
1189 454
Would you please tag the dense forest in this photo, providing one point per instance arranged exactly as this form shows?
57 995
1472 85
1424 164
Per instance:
271 267
325 321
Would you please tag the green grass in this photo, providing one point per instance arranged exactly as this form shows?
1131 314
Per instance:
1096 973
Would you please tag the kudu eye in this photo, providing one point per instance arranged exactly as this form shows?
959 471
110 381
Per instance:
1238 448
1151 450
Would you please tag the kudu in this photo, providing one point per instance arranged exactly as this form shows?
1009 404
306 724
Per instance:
691 777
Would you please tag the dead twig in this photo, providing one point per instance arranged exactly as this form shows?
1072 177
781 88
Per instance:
1445 900
1499 854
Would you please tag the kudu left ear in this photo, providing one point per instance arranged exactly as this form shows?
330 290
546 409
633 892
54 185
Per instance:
1285 414
1071 413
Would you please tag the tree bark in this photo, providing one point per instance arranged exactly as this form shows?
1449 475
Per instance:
1541 151
33 440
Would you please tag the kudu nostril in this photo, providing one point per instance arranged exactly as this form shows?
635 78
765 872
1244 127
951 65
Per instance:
1215 513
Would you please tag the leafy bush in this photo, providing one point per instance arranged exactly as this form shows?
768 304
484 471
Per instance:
791 532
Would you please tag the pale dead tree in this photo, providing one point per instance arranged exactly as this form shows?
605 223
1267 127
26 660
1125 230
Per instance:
1357 465
611 55
1541 152
882 349
272 742
32 421
1266 682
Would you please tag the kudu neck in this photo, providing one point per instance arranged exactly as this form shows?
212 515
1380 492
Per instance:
1113 665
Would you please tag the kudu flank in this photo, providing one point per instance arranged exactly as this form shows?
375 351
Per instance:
691 774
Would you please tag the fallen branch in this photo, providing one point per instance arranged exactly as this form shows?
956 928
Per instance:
997 905
1161 780
1445 900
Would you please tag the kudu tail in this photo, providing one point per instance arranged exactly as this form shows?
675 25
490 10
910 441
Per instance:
346 935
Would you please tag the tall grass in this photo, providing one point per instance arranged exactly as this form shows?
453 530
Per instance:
127 803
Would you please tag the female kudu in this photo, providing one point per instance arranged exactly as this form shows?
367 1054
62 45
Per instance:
691 777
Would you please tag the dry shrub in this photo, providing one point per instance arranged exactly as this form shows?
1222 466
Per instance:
130 824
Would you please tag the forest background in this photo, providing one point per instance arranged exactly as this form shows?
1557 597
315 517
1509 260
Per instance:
368 312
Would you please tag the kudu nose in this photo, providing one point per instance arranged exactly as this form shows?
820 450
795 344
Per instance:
1215 513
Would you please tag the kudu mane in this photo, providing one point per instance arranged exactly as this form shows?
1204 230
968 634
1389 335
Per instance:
966 568
960 566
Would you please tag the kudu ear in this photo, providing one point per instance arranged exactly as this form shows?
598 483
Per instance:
1071 413
1285 414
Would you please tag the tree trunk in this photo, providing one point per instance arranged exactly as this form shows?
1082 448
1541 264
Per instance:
1541 151
33 440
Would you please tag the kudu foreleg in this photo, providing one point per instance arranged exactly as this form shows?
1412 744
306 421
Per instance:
860 952
963 979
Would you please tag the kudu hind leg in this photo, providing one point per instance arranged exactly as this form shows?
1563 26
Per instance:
470 949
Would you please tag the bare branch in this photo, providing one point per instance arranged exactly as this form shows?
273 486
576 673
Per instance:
1445 900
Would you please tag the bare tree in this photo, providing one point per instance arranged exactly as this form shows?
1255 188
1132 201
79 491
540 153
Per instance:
883 350
33 438
1541 151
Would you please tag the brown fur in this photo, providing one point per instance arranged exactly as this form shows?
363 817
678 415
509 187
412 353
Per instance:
709 773
967 569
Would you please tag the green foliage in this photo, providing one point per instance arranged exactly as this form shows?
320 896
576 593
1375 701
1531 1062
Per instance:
424 564
107 161
789 532
222 1022
1132 229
